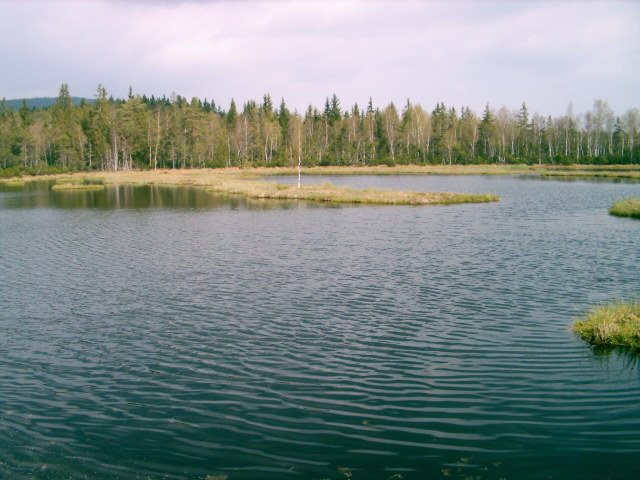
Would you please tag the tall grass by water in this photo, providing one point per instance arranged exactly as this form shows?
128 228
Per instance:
614 324
628 207
14 183
340 194
607 171
77 187
247 183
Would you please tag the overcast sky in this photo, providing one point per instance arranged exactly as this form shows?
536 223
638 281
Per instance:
546 54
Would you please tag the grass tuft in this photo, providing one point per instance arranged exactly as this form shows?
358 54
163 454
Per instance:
615 324
628 207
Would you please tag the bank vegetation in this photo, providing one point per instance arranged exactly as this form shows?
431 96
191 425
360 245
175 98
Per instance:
142 132
249 183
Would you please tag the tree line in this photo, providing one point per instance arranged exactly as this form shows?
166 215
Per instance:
148 132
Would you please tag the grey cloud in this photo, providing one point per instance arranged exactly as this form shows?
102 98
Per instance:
463 53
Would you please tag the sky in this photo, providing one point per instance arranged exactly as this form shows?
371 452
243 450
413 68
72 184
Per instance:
548 54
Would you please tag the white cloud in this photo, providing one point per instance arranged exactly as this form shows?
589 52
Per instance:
463 53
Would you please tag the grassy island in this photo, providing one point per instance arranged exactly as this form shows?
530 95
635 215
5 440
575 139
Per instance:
612 325
339 194
628 207
77 187
248 183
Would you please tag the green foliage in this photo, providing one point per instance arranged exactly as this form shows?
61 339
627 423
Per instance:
17 171
628 207
147 132
612 325
38 103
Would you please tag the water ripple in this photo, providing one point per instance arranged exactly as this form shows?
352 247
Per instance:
222 341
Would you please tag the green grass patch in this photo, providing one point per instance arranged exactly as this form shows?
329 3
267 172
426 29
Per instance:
248 184
77 187
614 324
628 207
339 194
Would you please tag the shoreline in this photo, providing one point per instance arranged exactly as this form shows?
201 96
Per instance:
595 171
249 183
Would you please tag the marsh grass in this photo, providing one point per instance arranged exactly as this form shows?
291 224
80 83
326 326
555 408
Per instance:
614 324
245 181
15 183
629 172
400 170
339 194
248 184
77 187
607 171
201 176
628 207
69 180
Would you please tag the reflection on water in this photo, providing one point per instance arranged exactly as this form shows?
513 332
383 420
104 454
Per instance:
576 178
168 333
39 195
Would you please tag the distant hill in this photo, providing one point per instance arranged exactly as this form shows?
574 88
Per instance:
41 102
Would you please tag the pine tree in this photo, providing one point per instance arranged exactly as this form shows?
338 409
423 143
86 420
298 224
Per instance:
267 105
334 113
232 115
487 133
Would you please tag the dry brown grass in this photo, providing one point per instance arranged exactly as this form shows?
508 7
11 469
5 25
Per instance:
338 194
77 187
243 182
200 176
15 183
400 170
612 171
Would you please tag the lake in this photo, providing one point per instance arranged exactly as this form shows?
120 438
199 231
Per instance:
156 332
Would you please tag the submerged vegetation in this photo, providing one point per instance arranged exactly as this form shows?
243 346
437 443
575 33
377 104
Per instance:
628 207
142 132
612 325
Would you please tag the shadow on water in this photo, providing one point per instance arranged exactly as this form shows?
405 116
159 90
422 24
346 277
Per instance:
40 195
630 359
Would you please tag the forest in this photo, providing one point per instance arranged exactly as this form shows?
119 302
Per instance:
147 133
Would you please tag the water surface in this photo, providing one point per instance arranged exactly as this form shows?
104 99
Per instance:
150 332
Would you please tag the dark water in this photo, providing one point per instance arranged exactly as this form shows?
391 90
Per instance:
166 333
